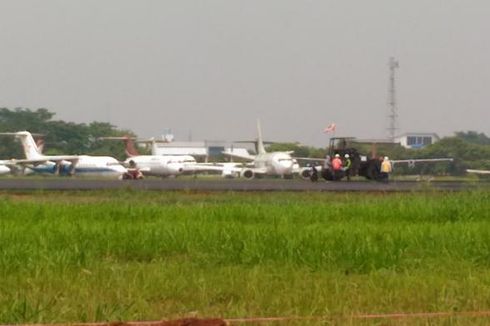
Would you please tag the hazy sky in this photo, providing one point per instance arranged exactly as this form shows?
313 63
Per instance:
213 67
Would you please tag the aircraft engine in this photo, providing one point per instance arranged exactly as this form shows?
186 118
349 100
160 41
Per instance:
305 173
248 174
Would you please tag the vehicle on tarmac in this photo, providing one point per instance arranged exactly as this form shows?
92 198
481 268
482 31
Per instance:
361 165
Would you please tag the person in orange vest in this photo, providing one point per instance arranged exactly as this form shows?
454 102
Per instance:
337 167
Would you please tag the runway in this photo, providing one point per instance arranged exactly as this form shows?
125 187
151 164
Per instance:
234 185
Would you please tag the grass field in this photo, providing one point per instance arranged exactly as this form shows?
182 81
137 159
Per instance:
126 255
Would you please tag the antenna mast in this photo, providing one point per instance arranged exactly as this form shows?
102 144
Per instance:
393 64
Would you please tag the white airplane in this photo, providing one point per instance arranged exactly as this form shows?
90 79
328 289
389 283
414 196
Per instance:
4 169
150 165
265 164
162 165
191 166
85 165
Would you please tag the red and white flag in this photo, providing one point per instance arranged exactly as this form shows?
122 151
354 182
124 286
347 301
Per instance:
330 128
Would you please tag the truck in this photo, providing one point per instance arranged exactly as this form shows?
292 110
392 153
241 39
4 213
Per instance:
361 165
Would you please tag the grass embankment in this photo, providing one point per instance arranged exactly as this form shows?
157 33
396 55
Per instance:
146 255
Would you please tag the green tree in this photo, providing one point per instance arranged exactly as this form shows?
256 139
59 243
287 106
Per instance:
60 137
473 137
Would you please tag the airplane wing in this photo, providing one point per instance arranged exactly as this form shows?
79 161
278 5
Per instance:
57 159
211 166
412 162
201 168
44 159
478 171
25 162
258 170
408 161
225 168
246 157
309 159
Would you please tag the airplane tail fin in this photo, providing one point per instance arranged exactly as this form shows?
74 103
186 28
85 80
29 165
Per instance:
31 150
40 145
130 148
154 146
260 141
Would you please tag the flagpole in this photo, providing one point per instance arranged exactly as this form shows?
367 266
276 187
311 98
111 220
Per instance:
331 128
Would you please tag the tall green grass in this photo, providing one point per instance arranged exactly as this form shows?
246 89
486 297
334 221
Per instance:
148 255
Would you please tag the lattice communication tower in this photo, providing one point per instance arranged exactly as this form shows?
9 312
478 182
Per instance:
393 64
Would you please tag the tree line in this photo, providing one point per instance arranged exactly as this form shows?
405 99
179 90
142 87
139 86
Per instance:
59 137
470 149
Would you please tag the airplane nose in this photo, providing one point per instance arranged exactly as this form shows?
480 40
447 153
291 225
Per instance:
120 169
285 169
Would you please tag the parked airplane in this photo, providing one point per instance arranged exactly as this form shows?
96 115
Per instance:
65 164
162 165
271 164
150 165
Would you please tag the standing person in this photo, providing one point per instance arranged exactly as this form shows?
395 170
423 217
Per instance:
378 175
327 171
313 174
386 169
328 163
347 166
336 167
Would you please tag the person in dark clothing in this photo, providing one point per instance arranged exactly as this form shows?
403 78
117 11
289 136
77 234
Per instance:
347 166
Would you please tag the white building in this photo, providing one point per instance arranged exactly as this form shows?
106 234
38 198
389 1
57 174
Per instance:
416 139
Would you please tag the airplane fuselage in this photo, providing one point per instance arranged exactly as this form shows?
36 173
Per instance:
4 169
276 163
94 166
155 165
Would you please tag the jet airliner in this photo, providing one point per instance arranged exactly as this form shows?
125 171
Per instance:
64 164
162 165
264 163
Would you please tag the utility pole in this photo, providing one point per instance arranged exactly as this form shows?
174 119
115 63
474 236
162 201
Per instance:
393 64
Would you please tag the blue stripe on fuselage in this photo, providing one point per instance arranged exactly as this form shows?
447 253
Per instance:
65 170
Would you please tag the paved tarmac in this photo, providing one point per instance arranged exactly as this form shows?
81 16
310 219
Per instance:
233 185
